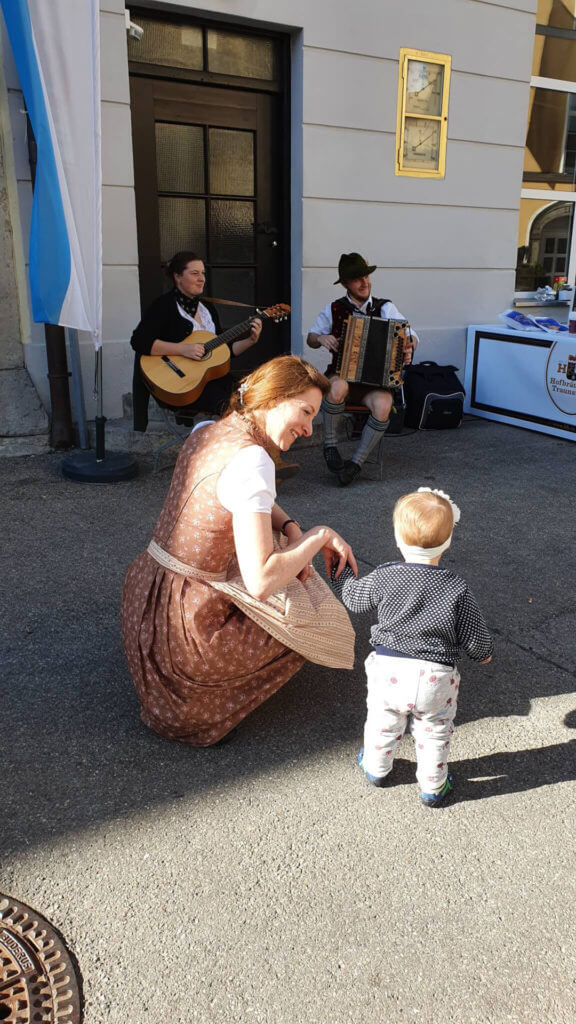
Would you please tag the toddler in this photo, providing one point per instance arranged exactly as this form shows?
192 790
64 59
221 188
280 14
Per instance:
426 616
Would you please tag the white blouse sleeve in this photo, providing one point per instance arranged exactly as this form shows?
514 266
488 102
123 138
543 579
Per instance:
248 482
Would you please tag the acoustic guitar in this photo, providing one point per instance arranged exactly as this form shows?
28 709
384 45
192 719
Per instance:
177 380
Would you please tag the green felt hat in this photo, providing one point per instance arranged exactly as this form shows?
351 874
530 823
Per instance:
352 265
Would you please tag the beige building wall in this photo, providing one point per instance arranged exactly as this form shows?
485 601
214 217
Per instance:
16 210
21 411
11 354
445 249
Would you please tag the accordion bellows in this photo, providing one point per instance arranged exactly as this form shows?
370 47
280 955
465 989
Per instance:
372 351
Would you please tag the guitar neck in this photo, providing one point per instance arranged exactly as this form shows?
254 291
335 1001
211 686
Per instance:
230 335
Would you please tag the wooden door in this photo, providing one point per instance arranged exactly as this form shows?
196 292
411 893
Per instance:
206 177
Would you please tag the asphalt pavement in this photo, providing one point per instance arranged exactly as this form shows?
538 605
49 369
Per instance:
264 882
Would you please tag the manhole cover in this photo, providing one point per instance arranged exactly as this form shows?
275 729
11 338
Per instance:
39 982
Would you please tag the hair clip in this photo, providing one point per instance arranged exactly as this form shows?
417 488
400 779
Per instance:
442 494
242 388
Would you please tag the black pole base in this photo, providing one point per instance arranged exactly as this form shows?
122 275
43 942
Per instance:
115 466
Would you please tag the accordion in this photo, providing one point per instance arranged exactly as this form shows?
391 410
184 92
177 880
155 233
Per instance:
372 351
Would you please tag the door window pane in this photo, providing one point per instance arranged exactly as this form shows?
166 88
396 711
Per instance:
231 232
246 56
231 162
180 157
182 225
550 154
544 238
238 283
167 43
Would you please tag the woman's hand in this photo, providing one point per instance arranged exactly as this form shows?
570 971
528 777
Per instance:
255 330
265 570
336 551
191 350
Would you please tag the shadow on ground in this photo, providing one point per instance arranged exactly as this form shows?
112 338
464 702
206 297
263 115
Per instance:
496 774
74 752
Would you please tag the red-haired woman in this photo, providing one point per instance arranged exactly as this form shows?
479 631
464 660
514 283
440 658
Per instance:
199 664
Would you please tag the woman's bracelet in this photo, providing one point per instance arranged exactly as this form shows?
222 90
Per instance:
285 524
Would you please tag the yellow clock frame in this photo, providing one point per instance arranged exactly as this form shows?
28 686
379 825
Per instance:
432 124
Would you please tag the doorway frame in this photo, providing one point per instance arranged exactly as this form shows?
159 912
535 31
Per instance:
281 87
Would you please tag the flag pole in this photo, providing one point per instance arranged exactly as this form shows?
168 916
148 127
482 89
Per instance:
97 466
100 419
77 387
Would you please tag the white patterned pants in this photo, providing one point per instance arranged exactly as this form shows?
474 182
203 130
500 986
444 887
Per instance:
408 689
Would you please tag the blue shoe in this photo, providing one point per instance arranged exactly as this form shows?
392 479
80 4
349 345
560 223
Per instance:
372 779
433 799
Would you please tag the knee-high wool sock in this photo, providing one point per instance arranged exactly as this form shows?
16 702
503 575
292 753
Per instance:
331 414
371 434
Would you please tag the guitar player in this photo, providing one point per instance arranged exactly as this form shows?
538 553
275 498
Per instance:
170 319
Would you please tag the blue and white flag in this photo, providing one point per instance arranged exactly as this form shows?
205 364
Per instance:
56 48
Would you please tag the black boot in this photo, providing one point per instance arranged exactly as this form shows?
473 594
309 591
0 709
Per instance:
334 460
348 473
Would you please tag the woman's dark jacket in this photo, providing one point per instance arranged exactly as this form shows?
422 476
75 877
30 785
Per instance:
161 320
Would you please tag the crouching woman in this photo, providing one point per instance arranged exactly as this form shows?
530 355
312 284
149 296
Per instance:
224 606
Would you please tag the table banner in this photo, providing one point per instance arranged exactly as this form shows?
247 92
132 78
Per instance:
525 379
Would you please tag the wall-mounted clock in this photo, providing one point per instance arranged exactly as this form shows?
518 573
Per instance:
422 113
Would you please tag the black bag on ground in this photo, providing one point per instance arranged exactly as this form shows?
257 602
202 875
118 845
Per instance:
434 396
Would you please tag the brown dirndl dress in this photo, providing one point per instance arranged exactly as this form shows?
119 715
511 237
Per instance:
199 664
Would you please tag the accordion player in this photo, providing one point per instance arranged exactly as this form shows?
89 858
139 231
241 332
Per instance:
371 351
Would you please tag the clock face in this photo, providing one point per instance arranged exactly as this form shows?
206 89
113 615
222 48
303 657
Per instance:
421 143
424 85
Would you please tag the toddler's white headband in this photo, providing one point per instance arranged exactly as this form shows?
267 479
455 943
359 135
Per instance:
413 553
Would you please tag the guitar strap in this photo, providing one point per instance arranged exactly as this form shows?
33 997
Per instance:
226 302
